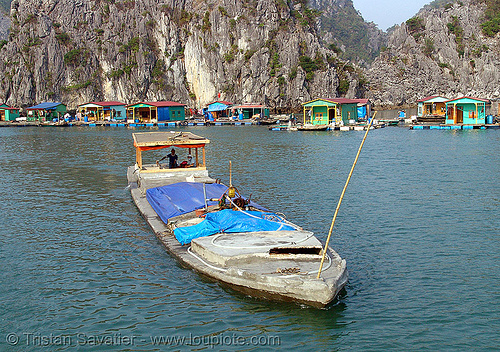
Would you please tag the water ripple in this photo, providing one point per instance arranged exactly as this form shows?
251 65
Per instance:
418 227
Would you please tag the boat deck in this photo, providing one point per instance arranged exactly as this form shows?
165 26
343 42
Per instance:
278 265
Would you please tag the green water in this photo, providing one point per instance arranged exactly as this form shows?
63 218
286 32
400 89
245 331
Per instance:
419 228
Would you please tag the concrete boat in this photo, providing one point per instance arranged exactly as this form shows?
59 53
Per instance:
281 264
311 127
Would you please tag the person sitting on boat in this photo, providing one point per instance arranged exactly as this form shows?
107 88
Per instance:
189 162
172 159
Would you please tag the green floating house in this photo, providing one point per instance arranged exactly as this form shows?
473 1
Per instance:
149 112
46 111
7 113
466 110
103 110
326 111
249 110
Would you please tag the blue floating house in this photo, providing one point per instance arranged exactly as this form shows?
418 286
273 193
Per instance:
46 111
7 113
103 110
466 110
218 109
160 111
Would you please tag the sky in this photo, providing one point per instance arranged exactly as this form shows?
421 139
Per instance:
386 13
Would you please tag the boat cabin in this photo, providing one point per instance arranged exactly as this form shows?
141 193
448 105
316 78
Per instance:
148 112
326 111
7 113
250 110
434 105
161 140
46 111
103 110
218 109
466 110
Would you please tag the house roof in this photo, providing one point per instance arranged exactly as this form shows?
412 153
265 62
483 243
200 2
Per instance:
249 106
6 107
341 101
221 102
103 104
90 105
348 101
107 103
44 106
217 106
471 98
432 97
159 104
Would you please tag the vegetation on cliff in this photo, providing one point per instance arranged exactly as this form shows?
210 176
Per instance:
281 52
491 25
352 33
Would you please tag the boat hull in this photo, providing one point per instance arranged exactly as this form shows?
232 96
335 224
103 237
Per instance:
312 127
254 275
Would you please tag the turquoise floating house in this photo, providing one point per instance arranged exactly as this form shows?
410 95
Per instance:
466 110
218 109
103 110
249 110
433 105
150 112
7 113
326 111
46 111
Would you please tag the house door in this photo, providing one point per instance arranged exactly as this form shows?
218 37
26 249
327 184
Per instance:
331 115
460 115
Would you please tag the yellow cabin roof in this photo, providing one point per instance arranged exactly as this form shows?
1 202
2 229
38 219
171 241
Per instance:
156 139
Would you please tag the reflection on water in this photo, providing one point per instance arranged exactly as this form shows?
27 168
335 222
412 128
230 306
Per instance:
418 227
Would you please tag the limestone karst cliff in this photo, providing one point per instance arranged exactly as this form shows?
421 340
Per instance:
280 53
185 50
343 26
440 51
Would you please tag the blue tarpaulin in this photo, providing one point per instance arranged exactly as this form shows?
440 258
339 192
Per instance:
231 221
45 106
361 111
217 107
181 198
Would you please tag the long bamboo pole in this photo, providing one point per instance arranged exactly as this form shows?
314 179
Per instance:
342 197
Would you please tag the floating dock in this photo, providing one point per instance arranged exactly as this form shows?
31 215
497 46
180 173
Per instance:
455 127
126 124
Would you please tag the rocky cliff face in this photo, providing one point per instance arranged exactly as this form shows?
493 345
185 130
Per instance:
189 51
4 26
342 25
280 53
438 52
